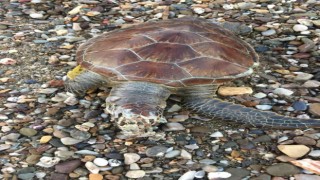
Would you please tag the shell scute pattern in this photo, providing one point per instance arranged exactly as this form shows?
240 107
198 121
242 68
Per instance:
177 53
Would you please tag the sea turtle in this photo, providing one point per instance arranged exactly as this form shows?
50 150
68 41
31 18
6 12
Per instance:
190 57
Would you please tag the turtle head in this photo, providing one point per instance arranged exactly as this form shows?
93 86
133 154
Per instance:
136 120
137 107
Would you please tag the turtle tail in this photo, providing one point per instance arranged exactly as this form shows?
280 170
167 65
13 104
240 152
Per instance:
84 81
215 108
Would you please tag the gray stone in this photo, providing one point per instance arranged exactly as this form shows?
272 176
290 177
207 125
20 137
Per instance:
282 169
237 173
156 151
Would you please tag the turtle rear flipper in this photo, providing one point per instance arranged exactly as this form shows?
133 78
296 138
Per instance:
215 108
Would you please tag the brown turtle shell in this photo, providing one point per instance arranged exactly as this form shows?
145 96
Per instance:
178 53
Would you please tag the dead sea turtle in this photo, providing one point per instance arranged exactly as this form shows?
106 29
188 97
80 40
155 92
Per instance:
146 63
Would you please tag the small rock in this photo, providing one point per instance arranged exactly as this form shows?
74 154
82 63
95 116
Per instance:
269 32
246 5
264 107
92 167
305 140
283 91
174 126
185 154
315 153
232 91
218 175
8 61
294 151
26 176
237 173
260 95
217 134
135 174
282 169
316 22
303 76
68 166
36 15
95 177
306 177
33 159
134 166
299 106
156 151
174 108
199 10
262 177
45 139
130 158
172 154
100 162
70 141
87 152
28 132
59 176
114 162
200 174
75 10
210 168
311 84
300 27
314 108
48 162
188 175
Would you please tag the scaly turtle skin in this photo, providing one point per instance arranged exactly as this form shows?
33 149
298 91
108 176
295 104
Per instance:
189 57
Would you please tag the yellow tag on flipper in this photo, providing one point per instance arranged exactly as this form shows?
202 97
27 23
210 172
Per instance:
75 72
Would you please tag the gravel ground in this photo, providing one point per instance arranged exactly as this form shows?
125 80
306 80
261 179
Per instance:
47 133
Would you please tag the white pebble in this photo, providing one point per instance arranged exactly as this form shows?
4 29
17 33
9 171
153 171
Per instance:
228 6
314 153
264 107
135 174
36 15
269 32
199 10
283 91
130 158
188 175
71 101
199 174
300 27
260 95
69 141
185 154
216 134
100 162
218 175
92 167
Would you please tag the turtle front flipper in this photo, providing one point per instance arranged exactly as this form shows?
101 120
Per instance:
215 108
137 107
80 80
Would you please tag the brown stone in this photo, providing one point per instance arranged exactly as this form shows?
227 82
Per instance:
304 140
294 151
68 166
314 109
95 177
